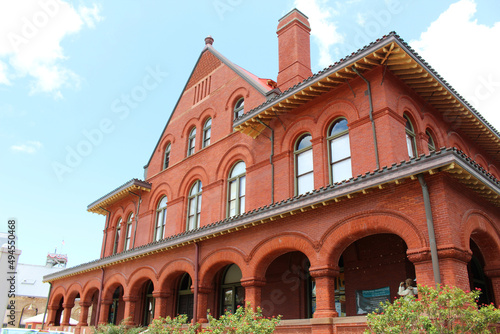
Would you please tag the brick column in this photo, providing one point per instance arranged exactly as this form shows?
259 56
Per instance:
325 291
161 299
453 266
51 315
67 313
130 306
493 273
104 311
84 313
253 290
203 303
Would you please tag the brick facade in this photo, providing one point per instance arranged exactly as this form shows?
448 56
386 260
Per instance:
305 256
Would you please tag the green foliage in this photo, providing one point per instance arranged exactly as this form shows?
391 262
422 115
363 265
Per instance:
442 310
177 325
117 329
244 320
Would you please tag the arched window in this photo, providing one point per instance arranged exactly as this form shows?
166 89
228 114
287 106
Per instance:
149 304
191 142
304 165
239 108
194 206
236 192
233 294
161 219
117 235
207 132
340 151
128 235
430 142
410 138
185 298
166 159
113 307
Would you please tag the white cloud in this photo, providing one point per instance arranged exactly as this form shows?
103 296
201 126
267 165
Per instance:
323 28
29 147
360 19
31 32
464 52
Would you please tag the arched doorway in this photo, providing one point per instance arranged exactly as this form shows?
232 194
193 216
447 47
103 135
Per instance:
185 297
232 293
59 312
115 314
371 269
289 291
477 278
148 303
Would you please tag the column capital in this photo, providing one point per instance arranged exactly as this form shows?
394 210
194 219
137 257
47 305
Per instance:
252 281
162 294
325 271
84 304
68 305
130 298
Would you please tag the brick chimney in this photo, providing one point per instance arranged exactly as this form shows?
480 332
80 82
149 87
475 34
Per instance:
294 49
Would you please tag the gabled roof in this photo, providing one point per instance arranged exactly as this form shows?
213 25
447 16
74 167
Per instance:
398 57
263 86
447 160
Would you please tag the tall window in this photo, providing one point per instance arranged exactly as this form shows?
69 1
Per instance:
113 307
194 206
304 165
117 235
207 132
410 138
233 294
239 108
161 219
340 151
191 142
149 304
236 182
166 159
430 142
185 298
128 235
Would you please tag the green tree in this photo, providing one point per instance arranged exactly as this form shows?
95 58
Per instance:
443 309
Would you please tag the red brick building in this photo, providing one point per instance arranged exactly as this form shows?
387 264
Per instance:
313 196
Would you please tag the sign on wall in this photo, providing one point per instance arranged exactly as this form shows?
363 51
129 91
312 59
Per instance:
368 301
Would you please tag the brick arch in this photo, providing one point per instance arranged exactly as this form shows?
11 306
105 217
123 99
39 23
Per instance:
228 159
407 104
195 173
89 289
161 189
476 225
217 260
206 114
336 109
168 138
193 122
111 284
56 296
454 140
73 290
436 135
238 93
342 234
296 129
271 248
168 274
138 278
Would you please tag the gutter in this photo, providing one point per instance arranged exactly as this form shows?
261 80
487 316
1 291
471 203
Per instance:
46 305
196 279
430 229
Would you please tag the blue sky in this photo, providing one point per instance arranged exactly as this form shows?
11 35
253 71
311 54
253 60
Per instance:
70 131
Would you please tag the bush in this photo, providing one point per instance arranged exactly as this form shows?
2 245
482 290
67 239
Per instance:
117 329
244 320
443 309
177 325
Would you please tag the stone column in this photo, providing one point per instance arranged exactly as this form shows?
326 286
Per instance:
84 313
130 306
253 290
51 315
67 313
493 273
161 300
104 311
325 291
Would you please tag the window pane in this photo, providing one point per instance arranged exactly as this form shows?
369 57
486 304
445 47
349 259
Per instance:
305 183
304 142
340 148
232 208
192 206
340 126
242 205
238 169
341 170
409 145
242 186
304 162
232 190
199 204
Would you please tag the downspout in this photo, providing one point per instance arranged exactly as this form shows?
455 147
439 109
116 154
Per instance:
106 233
98 311
270 158
430 229
371 115
46 306
136 217
196 278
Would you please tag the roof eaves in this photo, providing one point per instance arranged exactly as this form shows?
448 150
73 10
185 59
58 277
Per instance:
126 185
